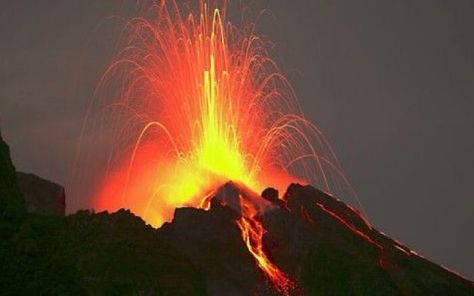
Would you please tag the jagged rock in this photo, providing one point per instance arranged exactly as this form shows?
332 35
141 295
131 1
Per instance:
84 253
93 254
42 196
329 246
231 193
228 195
20 192
271 194
12 204
212 241
325 246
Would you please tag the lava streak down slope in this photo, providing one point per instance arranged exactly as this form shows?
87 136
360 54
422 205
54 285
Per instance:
323 245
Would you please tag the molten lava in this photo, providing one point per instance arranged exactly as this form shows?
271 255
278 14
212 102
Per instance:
252 234
196 101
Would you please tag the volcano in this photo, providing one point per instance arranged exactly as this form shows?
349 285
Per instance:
319 244
189 137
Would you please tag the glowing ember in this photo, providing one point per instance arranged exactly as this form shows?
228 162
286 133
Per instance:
196 102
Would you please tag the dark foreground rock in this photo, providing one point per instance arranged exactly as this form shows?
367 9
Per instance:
12 204
92 254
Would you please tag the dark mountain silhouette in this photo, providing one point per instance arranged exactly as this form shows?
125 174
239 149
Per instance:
84 253
42 196
12 204
323 245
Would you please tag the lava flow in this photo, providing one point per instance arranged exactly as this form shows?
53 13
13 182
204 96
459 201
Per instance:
252 234
195 101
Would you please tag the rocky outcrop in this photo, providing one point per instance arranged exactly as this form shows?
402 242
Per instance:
92 254
84 253
12 205
322 244
42 196
212 241
329 246
20 192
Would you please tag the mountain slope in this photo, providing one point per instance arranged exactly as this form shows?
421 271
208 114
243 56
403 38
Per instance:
321 244
84 253
325 246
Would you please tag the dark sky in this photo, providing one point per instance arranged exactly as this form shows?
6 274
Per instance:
391 84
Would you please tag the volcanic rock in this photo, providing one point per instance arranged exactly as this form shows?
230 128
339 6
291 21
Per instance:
230 195
84 253
12 204
42 196
212 241
323 245
320 243
92 254
271 194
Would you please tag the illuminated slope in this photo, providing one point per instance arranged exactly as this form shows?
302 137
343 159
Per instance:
325 246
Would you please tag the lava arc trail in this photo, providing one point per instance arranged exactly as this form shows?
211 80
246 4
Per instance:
193 101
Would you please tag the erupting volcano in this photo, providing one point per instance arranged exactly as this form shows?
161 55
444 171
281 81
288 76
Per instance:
196 101
197 172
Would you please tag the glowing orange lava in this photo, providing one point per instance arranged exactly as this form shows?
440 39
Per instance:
203 104
196 101
252 234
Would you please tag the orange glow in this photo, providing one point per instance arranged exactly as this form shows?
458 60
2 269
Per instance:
195 101
252 234
202 103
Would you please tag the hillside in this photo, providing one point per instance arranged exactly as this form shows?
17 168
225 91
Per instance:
324 246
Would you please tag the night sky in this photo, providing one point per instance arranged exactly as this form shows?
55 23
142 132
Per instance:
390 83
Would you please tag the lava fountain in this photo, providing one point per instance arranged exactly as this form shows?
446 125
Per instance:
194 101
